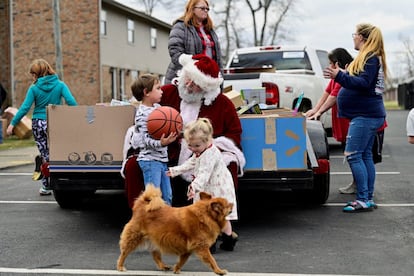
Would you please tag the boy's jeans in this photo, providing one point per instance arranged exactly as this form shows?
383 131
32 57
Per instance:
361 134
155 173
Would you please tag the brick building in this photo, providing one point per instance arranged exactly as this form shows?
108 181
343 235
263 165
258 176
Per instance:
96 46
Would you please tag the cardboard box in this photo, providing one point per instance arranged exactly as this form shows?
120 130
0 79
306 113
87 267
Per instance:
274 140
87 138
235 97
23 129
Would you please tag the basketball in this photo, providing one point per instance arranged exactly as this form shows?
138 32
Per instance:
164 119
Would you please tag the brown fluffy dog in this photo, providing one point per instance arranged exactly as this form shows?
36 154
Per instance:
180 231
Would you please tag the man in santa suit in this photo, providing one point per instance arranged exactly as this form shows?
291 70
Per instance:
196 93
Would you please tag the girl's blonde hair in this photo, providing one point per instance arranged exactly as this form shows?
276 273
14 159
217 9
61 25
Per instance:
189 17
373 46
200 128
144 83
40 68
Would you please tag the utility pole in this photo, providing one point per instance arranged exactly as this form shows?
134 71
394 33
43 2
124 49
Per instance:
58 41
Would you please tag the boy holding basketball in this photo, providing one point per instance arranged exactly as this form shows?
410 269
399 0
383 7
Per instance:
153 155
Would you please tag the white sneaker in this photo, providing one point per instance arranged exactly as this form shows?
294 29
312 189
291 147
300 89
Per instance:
349 189
44 191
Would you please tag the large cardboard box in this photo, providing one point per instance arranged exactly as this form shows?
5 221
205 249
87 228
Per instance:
87 138
274 140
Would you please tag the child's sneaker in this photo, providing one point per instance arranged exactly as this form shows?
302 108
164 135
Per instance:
44 191
37 174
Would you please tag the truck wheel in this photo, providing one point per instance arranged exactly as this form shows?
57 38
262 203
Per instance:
318 138
70 199
320 191
319 141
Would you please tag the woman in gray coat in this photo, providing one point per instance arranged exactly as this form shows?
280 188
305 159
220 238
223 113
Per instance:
192 34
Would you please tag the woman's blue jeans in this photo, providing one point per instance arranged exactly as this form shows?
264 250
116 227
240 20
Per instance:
154 172
358 152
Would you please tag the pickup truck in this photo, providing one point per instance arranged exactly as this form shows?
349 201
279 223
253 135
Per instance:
284 71
283 151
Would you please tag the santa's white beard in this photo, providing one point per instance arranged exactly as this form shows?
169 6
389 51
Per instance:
188 97
189 109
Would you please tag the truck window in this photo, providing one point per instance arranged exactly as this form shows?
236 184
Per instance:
323 58
281 60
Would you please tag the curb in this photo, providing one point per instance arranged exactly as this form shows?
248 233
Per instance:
16 165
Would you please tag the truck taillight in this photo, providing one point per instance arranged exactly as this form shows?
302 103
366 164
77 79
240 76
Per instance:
323 167
272 93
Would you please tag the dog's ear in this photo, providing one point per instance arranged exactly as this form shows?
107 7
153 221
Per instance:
221 207
217 207
204 195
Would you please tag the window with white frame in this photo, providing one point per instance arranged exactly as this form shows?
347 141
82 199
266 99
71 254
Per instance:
103 23
153 38
131 31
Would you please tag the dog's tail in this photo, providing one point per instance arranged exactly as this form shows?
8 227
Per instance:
151 198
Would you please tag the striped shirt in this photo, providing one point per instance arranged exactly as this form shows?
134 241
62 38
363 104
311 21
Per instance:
150 149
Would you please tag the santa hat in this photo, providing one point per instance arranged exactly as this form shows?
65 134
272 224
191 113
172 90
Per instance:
202 70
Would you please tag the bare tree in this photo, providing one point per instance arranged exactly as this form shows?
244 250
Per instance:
266 17
269 25
253 12
408 58
150 5
232 19
275 26
227 27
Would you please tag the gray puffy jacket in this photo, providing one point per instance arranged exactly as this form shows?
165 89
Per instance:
185 40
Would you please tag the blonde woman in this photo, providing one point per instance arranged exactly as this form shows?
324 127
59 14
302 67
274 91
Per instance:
360 100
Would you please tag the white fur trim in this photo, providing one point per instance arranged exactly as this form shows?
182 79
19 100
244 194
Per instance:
127 145
189 112
230 152
210 96
206 82
185 59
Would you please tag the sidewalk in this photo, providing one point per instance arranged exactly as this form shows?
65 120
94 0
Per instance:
17 157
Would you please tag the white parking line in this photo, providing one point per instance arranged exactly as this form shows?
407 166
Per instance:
16 174
377 173
332 173
141 272
334 204
26 202
343 157
331 204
